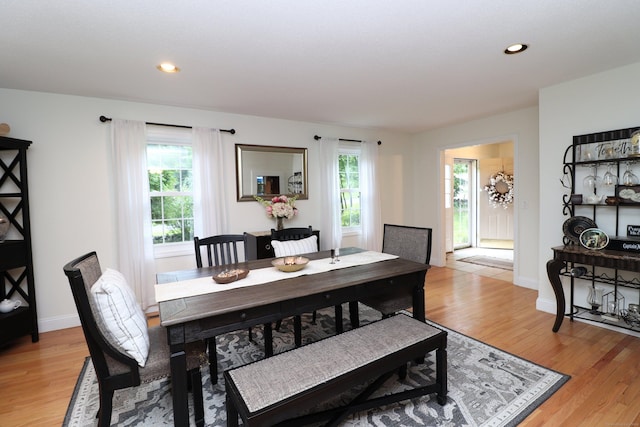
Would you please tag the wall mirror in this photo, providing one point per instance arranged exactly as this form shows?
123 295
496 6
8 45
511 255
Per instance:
270 171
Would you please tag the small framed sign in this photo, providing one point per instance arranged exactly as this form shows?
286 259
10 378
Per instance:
633 230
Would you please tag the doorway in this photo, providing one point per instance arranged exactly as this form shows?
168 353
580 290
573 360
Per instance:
471 221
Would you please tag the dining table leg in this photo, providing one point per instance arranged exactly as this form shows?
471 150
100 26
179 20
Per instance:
339 323
179 391
418 297
354 314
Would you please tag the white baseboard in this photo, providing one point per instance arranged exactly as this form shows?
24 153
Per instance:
526 282
548 306
58 322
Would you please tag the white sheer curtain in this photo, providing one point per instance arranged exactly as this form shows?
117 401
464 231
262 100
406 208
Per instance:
209 193
135 244
330 194
370 198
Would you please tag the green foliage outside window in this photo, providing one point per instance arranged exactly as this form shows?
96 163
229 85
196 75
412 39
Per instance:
171 186
349 172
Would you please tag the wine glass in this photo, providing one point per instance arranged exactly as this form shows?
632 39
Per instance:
590 183
609 182
629 178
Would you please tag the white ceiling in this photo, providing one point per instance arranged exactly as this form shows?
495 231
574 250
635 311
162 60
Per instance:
402 65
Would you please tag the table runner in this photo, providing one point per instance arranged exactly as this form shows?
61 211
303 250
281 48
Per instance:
205 285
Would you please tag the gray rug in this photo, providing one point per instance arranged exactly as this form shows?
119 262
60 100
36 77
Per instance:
486 385
488 261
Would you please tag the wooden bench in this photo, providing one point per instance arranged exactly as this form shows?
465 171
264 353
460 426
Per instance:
282 387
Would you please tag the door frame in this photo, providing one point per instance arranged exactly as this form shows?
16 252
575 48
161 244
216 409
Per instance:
442 238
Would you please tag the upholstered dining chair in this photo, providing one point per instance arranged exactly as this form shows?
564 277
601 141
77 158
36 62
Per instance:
412 243
125 352
296 241
221 249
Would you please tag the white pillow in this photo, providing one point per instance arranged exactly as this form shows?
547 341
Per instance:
295 247
125 325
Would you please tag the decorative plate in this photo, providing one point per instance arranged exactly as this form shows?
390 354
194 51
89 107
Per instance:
574 226
627 193
594 238
290 263
229 276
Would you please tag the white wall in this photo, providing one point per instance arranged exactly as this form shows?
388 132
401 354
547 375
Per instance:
70 179
601 102
519 126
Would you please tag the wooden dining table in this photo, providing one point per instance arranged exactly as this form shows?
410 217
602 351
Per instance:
199 317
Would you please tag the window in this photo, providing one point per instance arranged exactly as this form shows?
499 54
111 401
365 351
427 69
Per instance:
169 167
349 171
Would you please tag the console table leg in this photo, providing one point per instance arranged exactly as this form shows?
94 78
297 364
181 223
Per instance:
553 272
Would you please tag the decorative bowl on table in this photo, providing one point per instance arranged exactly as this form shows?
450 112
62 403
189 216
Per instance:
289 264
229 276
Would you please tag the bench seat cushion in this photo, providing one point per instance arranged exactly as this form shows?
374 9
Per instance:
269 381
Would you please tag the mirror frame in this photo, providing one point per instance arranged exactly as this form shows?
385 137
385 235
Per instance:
243 149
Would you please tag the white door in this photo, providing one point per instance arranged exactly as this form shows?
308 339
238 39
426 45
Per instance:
495 223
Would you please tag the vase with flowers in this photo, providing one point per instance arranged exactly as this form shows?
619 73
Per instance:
279 207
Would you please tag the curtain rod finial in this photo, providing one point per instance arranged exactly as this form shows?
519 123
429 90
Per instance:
104 119
317 138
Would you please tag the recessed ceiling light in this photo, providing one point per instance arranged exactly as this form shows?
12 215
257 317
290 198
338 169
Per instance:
167 67
515 48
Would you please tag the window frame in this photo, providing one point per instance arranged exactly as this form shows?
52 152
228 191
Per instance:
357 151
157 135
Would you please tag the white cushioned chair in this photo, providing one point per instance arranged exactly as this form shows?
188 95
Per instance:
296 241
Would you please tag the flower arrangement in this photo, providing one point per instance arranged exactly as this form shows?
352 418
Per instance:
500 190
279 206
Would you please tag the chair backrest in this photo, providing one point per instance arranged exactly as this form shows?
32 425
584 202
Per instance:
83 273
412 243
221 249
291 233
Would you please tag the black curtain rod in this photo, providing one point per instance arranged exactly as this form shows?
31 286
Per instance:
231 131
318 138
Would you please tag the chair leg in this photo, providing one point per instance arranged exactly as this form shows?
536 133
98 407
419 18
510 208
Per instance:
297 330
402 372
213 359
314 317
278 324
198 401
250 335
106 406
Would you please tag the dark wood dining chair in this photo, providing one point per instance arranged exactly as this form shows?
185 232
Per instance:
292 234
221 250
412 243
115 369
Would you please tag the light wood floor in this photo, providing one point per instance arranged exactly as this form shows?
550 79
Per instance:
36 380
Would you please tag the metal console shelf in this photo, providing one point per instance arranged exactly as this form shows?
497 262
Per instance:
567 257
587 151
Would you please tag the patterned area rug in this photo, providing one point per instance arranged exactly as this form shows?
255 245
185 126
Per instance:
486 385
488 261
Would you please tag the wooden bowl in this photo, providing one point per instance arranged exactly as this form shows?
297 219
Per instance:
289 264
229 276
